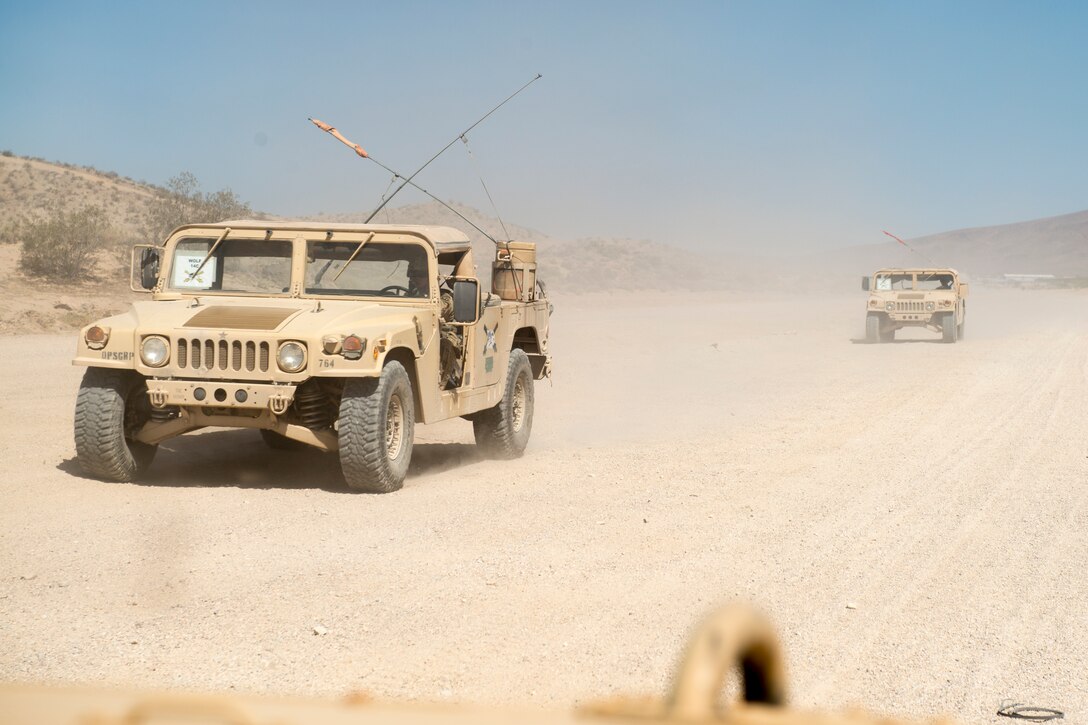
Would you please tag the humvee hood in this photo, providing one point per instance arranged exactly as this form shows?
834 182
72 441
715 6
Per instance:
285 316
209 315
227 317
350 317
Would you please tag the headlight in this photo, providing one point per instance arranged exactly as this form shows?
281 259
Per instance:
930 306
291 357
889 306
154 351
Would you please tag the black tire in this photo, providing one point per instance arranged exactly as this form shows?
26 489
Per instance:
503 430
887 335
377 425
959 328
948 327
111 406
278 442
872 327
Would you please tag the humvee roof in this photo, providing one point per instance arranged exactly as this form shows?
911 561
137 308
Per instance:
919 270
442 239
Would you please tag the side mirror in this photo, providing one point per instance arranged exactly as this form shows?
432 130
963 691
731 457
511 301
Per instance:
865 284
466 301
146 270
964 288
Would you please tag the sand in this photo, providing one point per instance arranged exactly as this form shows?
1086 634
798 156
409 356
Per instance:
692 449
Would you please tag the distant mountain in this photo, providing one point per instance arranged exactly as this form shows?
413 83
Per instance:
1054 245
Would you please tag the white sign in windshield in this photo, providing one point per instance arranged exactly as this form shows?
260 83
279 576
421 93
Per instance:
185 267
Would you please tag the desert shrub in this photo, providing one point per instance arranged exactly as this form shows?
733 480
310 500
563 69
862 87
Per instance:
63 247
9 233
182 202
7 153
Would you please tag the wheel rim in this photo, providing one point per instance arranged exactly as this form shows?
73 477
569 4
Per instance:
394 427
518 404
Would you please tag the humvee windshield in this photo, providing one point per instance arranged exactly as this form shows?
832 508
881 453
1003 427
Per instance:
238 265
934 281
378 269
886 282
904 281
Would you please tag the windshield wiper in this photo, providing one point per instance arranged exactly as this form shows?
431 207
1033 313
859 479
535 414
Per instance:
209 254
353 255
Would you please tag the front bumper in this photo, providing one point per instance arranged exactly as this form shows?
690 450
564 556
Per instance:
912 318
218 394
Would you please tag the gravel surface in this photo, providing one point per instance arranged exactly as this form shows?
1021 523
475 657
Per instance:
914 518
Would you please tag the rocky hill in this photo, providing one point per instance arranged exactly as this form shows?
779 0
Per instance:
31 189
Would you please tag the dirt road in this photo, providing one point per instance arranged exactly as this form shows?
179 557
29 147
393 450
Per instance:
913 516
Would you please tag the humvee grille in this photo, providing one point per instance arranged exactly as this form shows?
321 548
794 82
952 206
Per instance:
910 306
205 354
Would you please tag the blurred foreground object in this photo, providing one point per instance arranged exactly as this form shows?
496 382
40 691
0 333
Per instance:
732 639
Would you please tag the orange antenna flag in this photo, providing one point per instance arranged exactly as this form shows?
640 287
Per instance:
339 137
928 260
886 232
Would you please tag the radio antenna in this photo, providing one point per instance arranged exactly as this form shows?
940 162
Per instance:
451 143
362 152
408 180
931 262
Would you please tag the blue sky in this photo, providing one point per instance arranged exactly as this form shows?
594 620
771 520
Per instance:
763 126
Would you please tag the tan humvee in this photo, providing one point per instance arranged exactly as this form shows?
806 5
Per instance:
336 336
933 298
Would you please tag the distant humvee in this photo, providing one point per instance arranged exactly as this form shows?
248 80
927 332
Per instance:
336 336
932 298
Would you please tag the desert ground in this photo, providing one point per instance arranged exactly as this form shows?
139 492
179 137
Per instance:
912 516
